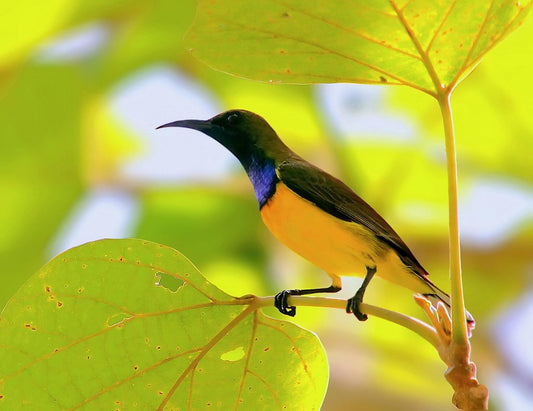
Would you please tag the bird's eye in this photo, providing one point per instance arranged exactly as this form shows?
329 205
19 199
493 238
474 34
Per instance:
232 118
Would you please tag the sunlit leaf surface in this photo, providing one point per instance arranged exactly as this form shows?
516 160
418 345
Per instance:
129 323
418 43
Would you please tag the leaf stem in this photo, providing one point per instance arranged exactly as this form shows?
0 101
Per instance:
419 327
459 333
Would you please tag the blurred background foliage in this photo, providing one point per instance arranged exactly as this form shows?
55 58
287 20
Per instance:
84 84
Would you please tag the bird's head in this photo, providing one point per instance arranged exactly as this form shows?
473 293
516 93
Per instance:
242 132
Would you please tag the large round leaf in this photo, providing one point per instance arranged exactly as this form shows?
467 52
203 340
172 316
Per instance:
129 323
420 43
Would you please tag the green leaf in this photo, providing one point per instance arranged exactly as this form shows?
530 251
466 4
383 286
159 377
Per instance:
129 323
420 43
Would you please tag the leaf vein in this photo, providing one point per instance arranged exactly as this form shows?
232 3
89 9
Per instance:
349 30
296 350
441 25
327 50
202 353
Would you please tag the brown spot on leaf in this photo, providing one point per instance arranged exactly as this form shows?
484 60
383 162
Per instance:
266 349
382 79
59 304
286 15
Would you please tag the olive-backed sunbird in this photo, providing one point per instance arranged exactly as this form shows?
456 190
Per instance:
315 214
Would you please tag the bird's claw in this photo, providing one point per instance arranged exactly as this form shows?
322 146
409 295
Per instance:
280 302
352 306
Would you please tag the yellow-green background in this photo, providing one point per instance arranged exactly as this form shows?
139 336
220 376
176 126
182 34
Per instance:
60 139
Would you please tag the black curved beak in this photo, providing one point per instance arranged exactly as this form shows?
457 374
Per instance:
200 125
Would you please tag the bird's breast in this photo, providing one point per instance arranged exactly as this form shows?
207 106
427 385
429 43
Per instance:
338 247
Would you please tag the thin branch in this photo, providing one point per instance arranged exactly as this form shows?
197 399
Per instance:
419 327
459 333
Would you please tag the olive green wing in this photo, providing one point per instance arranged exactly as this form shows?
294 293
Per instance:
336 198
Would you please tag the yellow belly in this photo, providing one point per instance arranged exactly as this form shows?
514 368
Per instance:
338 247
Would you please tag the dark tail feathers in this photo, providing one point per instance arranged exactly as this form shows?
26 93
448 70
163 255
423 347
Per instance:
439 295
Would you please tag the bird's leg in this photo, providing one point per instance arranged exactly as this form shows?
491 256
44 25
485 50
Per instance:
280 300
352 305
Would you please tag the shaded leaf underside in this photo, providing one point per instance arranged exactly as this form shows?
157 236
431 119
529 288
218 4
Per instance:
127 323
422 44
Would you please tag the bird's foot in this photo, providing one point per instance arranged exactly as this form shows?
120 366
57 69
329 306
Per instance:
352 306
280 302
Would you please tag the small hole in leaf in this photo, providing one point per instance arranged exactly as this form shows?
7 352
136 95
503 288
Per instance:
233 355
117 319
168 281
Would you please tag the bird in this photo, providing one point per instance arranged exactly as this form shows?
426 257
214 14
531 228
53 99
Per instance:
315 214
